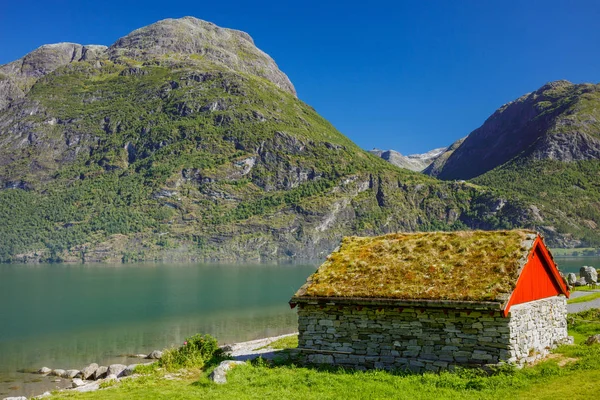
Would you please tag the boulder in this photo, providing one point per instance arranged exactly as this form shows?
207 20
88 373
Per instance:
44 371
77 382
112 377
70 374
219 374
16 398
88 387
88 371
130 369
100 373
155 355
589 274
594 339
580 282
58 372
571 279
116 369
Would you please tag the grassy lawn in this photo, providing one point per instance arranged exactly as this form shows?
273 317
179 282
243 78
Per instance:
586 298
573 372
585 288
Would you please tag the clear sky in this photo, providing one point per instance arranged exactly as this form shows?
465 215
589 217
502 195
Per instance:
407 75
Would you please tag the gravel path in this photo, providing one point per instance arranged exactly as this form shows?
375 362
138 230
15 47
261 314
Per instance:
250 350
573 308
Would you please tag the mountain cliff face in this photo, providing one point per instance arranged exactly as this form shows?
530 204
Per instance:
545 149
413 162
560 121
183 141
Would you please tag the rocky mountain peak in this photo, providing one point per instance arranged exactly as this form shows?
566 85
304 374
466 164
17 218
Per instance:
413 162
204 42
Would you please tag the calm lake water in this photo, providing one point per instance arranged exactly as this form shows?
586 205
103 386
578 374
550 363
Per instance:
67 316
572 264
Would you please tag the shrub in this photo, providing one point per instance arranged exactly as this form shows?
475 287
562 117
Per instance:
196 351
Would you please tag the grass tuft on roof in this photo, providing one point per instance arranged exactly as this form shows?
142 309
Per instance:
459 266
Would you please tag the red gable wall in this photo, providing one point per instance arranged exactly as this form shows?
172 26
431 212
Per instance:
539 278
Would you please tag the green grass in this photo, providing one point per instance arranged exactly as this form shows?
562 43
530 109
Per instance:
573 372
584 299
585 288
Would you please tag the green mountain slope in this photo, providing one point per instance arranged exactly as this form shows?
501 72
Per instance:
184 141
545 149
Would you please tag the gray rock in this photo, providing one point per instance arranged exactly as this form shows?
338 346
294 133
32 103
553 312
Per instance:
100 373
44 371
593 339
155 355
219 374
130 369
58 372
89 387
580 282
43 395
77 382
189 35
88 371
16 398
116 369
589 274
70 374
571 279
112 377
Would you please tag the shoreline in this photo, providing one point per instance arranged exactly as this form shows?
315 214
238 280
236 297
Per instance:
239 351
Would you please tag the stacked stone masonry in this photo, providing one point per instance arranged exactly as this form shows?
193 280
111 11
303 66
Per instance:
420 339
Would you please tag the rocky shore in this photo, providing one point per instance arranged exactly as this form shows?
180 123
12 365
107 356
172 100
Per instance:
92 377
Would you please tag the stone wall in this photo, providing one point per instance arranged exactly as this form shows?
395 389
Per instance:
366 337
536 328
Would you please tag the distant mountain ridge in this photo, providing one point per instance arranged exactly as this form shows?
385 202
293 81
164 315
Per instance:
413 162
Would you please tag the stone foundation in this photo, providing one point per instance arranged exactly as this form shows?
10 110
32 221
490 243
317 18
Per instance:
419 339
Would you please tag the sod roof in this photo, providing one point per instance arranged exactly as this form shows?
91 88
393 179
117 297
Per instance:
453 266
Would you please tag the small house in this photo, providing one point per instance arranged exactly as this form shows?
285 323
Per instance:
432 301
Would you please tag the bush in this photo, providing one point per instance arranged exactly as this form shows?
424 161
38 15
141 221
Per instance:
196 351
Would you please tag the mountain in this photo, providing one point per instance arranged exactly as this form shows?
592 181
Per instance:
544 148
184 141
413 162
438 162
560 121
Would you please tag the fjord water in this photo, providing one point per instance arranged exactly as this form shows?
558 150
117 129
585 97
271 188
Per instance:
573 264
67 316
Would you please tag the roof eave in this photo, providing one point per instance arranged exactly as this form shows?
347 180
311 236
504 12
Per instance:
417 303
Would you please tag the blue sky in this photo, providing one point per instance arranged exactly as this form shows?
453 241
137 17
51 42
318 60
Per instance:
407 75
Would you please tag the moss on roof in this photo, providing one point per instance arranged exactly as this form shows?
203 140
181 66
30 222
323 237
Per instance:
458 266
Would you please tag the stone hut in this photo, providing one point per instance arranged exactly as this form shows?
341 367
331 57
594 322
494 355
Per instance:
432 301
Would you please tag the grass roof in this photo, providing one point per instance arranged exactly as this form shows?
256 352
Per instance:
457 266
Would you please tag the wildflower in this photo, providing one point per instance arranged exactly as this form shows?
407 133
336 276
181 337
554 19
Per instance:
185 343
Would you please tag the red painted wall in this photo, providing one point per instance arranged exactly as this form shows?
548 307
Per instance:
539 279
